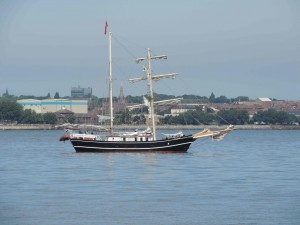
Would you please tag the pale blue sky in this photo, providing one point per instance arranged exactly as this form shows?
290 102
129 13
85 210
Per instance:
229 47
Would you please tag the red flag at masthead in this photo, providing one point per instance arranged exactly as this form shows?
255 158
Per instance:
105 28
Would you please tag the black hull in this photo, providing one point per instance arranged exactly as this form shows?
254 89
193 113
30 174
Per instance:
176 145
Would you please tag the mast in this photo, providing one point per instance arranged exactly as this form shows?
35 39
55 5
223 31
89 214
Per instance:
150 78
151 94
110 83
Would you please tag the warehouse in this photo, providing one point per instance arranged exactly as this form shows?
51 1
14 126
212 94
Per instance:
54 105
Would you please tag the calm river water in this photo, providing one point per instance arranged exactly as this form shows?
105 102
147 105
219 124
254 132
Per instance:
251 177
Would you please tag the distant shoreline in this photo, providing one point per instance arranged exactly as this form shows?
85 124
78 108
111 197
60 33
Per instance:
161 127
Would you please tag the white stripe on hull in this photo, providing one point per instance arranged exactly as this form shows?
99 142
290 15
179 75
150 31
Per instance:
150 148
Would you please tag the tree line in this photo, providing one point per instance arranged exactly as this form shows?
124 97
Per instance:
10 110
232 116
197 117
137 99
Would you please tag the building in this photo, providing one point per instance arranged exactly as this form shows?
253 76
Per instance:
78 92
62 114
182 108
119 105
55 105
263 100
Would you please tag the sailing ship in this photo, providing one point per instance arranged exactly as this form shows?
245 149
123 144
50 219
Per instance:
140 141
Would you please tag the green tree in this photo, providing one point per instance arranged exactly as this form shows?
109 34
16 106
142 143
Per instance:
139 119
70 118
195 98
190 117
31 117
273 116
212 97
123 118
159 97
134 99
50 118
233 116
196 117
222 99
240 99
56 96
10 110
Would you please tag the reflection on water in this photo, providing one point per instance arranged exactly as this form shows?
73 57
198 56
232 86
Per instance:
252 177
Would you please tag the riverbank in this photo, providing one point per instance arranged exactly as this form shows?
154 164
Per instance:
161 127
27 127
215 127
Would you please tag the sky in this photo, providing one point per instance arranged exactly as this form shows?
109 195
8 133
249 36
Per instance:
228 47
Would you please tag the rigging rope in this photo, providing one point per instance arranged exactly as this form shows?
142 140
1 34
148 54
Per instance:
118 38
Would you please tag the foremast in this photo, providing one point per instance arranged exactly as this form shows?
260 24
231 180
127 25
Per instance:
150 77
111 113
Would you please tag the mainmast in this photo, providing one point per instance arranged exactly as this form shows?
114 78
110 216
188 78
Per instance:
150 78
110 84
152 115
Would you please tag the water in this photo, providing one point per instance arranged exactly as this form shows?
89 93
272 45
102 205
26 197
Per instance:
251 177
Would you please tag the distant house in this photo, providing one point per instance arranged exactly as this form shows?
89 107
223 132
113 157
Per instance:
263 100
80 117
61 114
182 108
266 103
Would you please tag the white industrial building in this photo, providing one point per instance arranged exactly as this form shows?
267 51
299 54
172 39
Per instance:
182 108
54 105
